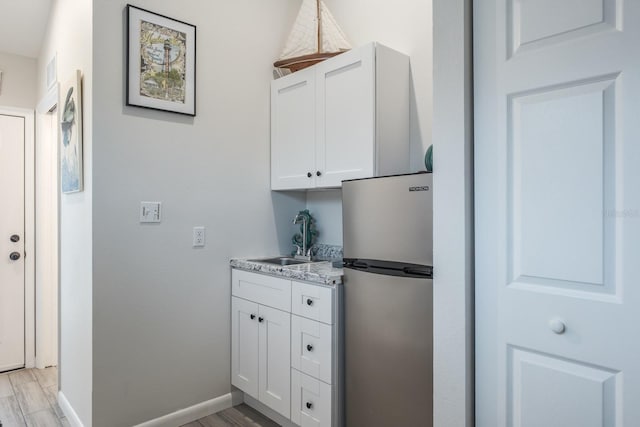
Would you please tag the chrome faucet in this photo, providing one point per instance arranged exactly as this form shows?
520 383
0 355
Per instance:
305 252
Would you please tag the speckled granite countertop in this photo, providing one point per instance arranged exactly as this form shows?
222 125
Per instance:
321 272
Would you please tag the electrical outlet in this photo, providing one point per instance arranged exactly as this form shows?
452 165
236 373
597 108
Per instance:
198 236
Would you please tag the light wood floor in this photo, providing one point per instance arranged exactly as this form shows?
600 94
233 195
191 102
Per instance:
238 416
28 398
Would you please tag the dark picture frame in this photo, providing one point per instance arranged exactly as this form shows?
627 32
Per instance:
161 62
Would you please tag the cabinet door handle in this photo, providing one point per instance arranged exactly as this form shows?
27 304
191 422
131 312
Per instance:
309 174
557 326
14 238
309 301
309 347
253 316
260 319
309 405
318 173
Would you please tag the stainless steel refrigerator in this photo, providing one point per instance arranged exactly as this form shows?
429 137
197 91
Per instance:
388 300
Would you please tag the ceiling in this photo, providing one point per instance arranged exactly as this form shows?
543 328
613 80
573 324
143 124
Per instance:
23 25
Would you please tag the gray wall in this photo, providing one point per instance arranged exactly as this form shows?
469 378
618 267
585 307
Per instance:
18 87
326 208
161 328
69 34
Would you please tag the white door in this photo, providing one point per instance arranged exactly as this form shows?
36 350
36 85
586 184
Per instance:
557 149
244 345
293 107
346 117
11 242
275 357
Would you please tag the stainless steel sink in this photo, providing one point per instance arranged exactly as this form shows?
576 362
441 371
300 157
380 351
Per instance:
282 260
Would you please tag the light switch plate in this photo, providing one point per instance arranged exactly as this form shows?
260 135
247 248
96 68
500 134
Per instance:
150 211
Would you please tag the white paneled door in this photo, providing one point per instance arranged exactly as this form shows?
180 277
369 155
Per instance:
557 194
12 283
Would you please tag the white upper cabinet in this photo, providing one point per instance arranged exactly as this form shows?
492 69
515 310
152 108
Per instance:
293 130
344 118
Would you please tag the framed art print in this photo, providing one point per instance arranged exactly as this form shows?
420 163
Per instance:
71 134
161 62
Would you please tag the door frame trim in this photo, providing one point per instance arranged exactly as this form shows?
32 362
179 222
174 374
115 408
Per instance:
29 229
44 348
453 215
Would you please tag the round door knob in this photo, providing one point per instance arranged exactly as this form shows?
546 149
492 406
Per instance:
309 347
318 173
260 319
253 316
309 301
557 326
15 238
309 405
14 256
309 174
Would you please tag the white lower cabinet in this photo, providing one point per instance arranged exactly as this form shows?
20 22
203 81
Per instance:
274 363
288 362
244 345
310 401
260 353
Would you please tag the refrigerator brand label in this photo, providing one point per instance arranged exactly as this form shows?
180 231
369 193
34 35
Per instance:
425 188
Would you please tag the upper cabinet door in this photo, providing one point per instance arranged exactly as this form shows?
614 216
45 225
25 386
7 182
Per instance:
345 93
293 131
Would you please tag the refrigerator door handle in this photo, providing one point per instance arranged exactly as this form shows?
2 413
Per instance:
355 263
417 271
391 268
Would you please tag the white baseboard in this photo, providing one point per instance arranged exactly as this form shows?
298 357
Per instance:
68 411
192 413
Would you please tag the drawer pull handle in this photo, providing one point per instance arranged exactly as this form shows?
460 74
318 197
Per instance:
309 301
309 175
309 347
309 405
260 319
253 316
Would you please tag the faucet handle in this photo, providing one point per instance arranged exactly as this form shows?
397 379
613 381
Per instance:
309 251
298 250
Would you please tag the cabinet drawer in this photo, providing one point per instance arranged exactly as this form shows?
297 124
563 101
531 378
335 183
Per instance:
310 401
311 348
311 301
266 290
